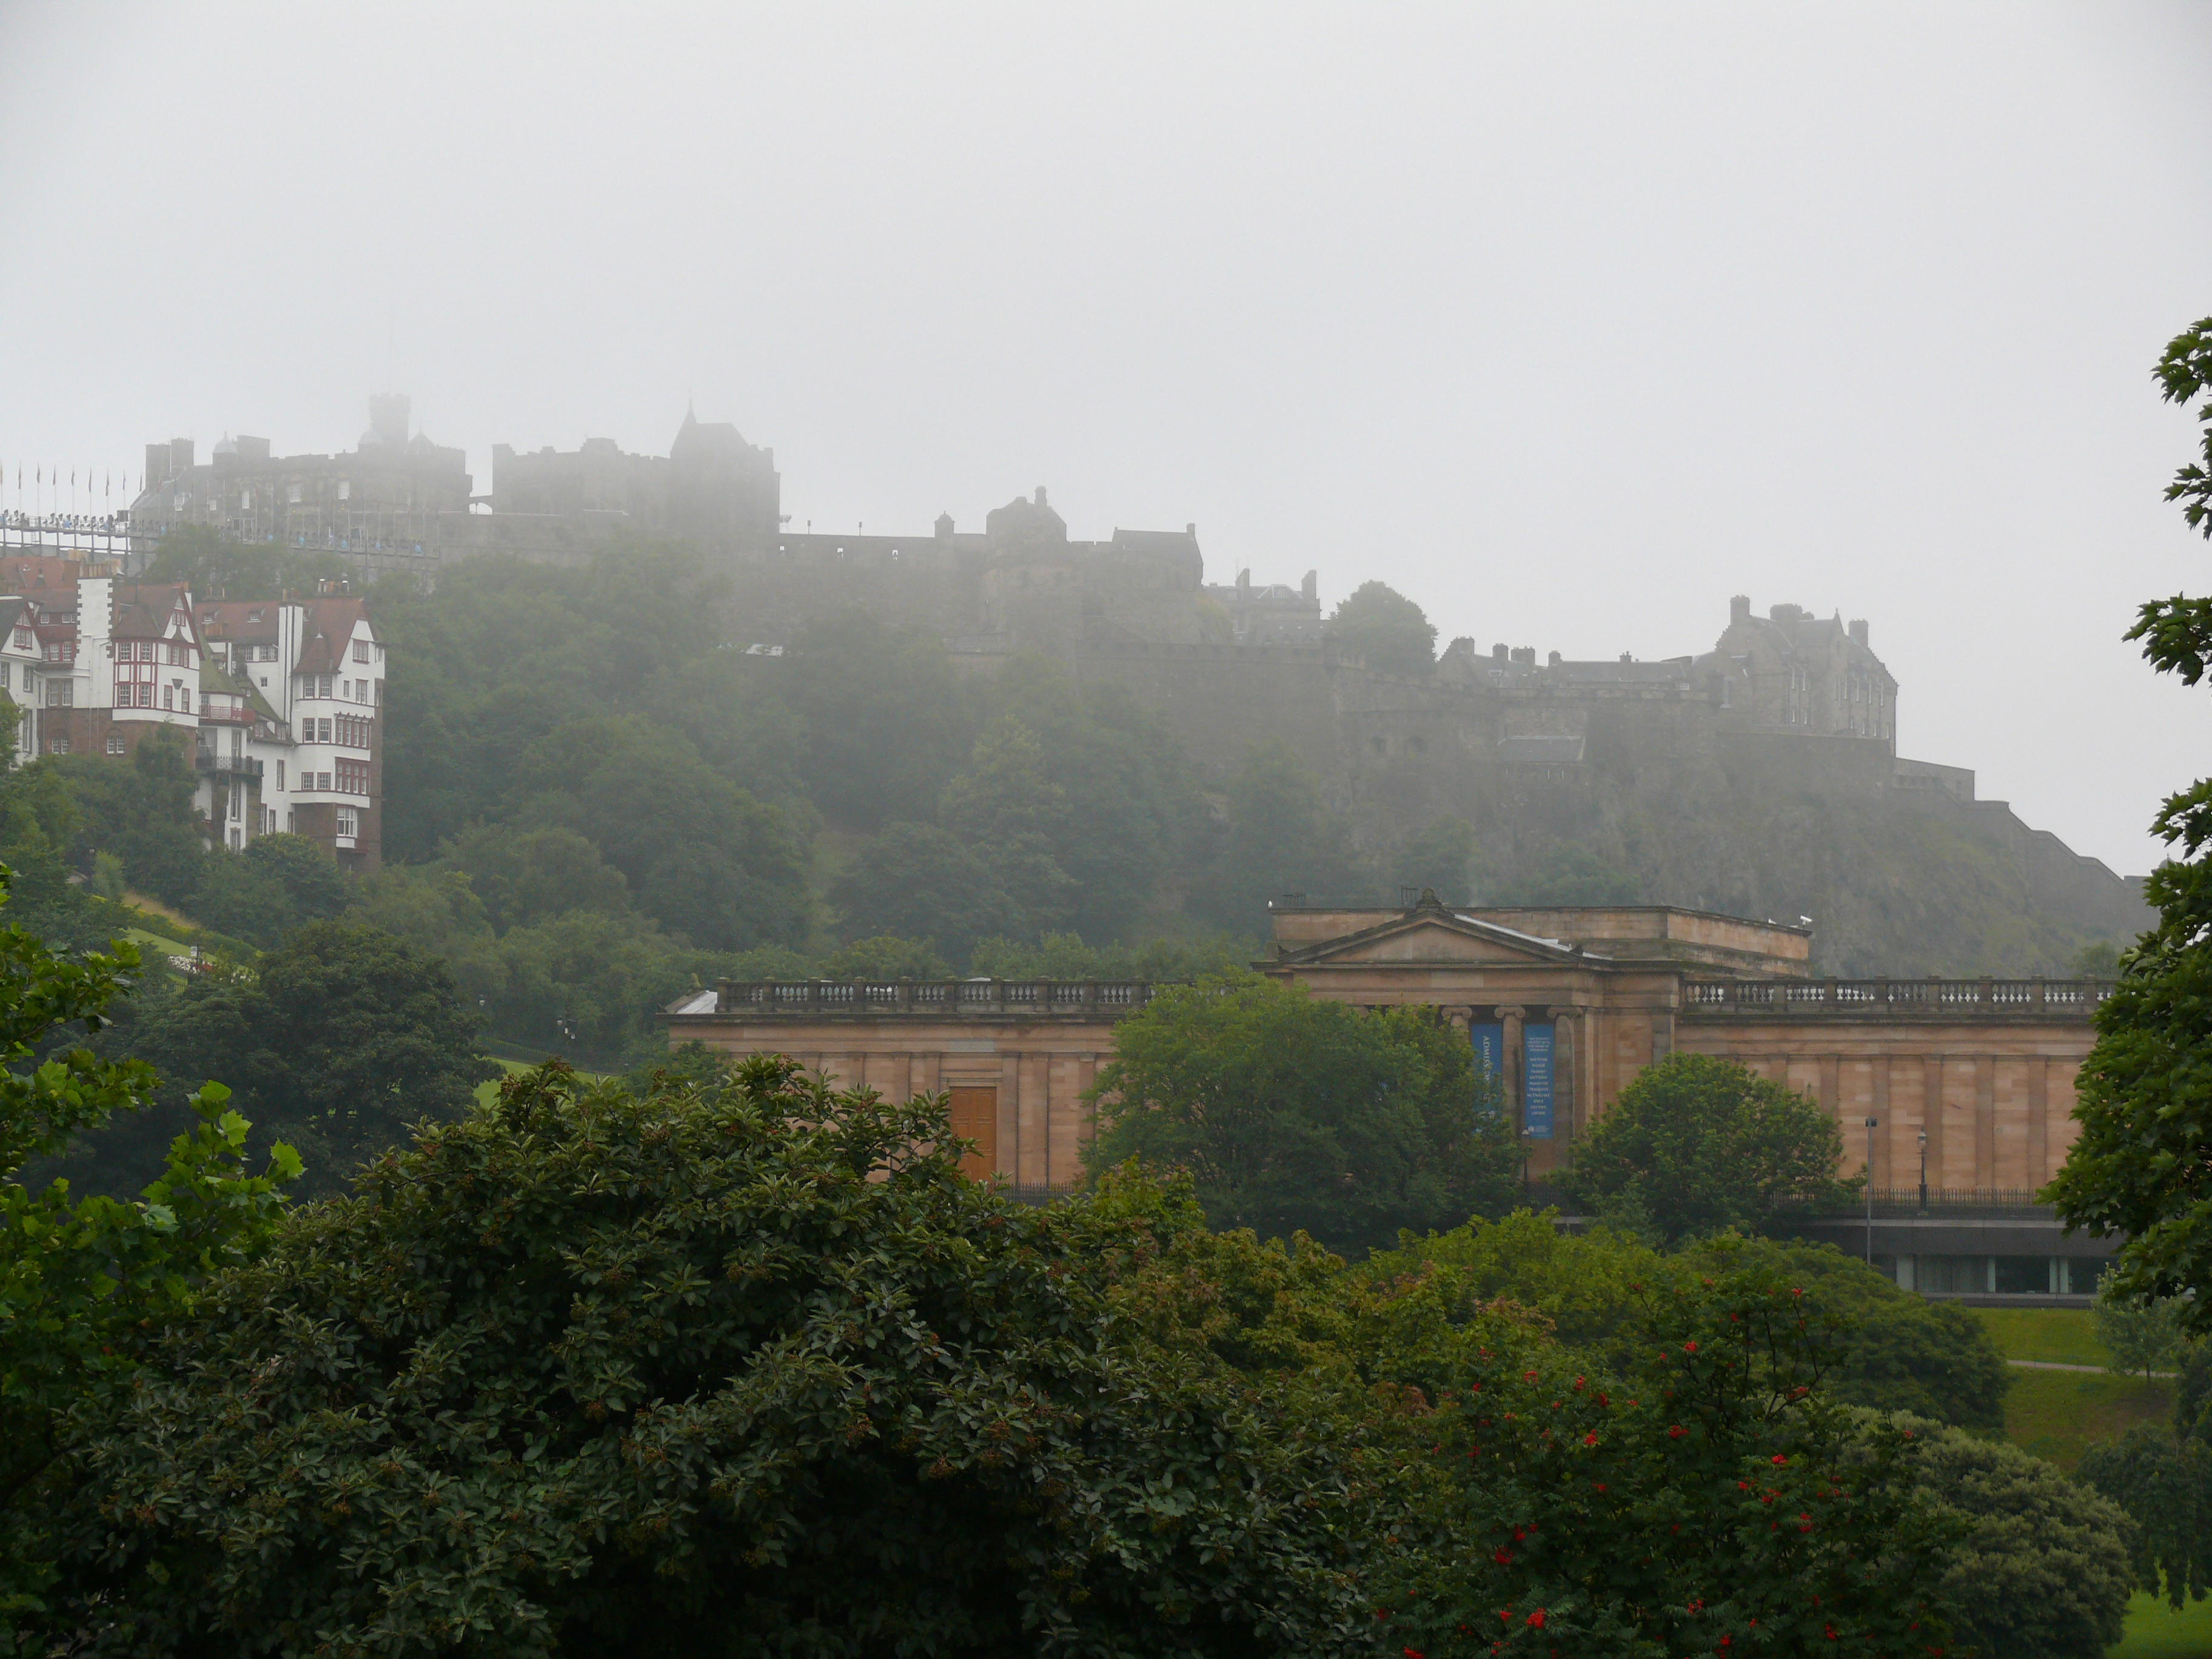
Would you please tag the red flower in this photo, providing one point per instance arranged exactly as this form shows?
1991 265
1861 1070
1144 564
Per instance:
1578 1384
1828 1631
1601 1400
1411 1653
1528 1377
1676 1432
1689 1347
1589 1439
1598 1486
1503 1556
1536 1620
1777 1460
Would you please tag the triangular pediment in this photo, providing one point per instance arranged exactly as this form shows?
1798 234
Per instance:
1435 936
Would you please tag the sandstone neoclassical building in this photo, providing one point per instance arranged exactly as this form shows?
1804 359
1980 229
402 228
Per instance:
1568 1005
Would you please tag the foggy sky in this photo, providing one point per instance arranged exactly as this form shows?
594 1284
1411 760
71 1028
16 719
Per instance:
1568 321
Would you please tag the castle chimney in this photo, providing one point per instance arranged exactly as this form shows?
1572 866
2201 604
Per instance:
157 465
1311 588
1554 661
1739 609
945 527
1040 499
1859 631
1498 653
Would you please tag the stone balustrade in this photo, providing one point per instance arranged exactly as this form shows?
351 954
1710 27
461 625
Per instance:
1912 1000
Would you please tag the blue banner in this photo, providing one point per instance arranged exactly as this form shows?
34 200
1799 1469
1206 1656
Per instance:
1536 1082
1489 1049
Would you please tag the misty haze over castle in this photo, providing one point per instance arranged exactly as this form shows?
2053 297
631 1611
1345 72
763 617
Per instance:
1785 706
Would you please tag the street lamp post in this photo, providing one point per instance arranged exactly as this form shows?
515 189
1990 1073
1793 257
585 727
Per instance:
1923 1172
1870 1124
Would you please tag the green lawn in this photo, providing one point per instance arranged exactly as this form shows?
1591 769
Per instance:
2058 1415
154 944
2065 1335
2155 1631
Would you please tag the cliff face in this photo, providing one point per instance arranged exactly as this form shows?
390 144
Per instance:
1672 797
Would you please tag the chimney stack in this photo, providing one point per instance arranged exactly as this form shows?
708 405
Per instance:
1859 631
1740 608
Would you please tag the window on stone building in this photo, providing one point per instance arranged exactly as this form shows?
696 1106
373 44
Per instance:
348 822
114 743
323 781
361 650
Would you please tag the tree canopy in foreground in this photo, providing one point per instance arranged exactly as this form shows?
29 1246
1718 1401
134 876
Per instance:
2144 1098
729 1367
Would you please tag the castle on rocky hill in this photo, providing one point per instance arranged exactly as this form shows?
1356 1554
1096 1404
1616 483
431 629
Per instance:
1709 776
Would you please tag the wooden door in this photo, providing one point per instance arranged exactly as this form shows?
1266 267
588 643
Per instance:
975 1117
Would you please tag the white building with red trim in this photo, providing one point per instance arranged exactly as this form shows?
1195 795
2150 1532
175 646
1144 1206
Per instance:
282 699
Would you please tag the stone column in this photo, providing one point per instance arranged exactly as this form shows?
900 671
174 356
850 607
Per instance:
1662 1037
1511 1019
1566 1056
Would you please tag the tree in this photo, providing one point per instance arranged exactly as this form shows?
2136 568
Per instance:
84 1282
1006 807
346 1036
721 1369
2046 1564
1439 859
1386 629
1570 875
1283 837
1893 1351
2165 1484
1703 1145
217 567
2145 1094
920 882
1711 1500
1297 1115
886 956
2138 1334
141 811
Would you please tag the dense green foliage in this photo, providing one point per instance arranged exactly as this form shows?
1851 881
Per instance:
335 1044
2046 1566
1896 1352
1385 629
2144 1098
608 1374
1696 1145
2164 1481
1293 1113
2139 1335
84 1281
604 1371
